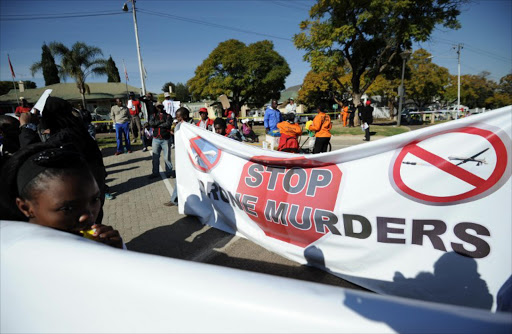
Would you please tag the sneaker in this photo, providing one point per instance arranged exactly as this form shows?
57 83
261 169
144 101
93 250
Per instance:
108 196
152 176
145 149
170 204
117 153
172 145
129 151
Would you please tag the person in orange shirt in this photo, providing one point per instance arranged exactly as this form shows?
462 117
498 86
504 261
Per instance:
344 113
290 131
322 125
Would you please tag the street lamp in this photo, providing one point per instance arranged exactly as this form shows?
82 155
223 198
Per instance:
125 9
405 55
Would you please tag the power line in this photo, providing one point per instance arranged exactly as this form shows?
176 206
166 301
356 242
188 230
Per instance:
56 16
190 20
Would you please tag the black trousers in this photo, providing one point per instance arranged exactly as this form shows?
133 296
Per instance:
367 133
321 144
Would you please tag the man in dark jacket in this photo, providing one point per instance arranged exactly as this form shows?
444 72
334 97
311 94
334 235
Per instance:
161 123
366 116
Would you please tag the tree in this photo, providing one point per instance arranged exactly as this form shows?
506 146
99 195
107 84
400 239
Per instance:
165 87
48 66
427 80
503 95
29 84
474 90
5 87
369 35
253 73
112 71
182 92
319 88
79 62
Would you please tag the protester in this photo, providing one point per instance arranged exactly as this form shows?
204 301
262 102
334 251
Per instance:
120 116
290 131
322 126
54 187
351 114
9 137
205 122
23 108
60 125
134 107
183 116
366 116
147 137
272 118
169 105
247 131
161 123
226 130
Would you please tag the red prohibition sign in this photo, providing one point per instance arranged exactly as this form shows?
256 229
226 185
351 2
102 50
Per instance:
480 185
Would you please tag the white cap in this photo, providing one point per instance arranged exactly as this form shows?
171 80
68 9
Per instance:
245 120
167 94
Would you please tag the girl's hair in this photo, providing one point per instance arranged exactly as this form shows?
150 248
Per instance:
28 169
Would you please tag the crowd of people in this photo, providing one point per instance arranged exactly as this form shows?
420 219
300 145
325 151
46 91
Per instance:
52 171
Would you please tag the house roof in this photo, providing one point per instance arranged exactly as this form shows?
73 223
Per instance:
68 91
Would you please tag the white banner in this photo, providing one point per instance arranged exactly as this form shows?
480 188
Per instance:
425 214
56 282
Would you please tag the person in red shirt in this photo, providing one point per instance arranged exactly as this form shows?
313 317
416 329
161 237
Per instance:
23 108
205 122
134 108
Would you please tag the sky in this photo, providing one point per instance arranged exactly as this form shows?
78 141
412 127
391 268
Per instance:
177 35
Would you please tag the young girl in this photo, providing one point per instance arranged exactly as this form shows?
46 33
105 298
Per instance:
54 187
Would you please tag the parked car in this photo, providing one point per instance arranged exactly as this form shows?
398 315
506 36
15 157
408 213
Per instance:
101 123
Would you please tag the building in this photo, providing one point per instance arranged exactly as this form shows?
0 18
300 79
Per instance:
102 95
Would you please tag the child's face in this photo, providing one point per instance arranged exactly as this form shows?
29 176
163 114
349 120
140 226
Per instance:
220 129
70 203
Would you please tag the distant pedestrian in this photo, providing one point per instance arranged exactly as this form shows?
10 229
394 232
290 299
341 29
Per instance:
134 108
147 136
120 115
366 116
344 113
169 105
322 127
161 123
291 107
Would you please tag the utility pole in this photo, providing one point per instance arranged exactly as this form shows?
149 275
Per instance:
459 47
141 69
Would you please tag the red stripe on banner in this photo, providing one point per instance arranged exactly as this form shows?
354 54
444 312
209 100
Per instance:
447 166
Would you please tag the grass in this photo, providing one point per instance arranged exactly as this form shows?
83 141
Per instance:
106 141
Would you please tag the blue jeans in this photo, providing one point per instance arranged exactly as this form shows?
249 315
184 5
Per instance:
121 129
157 147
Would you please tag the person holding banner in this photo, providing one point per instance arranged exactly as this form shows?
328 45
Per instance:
205 122
24 108
322 126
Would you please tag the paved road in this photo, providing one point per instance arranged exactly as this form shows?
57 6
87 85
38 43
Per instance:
148 226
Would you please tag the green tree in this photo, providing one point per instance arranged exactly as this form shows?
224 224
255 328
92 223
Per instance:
427 80
5 87
475 90
369 35
182 92
29 84
79 62
320 88
253 73
48 66
112 71
165 87
503 94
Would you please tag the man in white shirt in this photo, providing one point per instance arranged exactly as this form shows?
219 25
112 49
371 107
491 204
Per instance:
169 105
